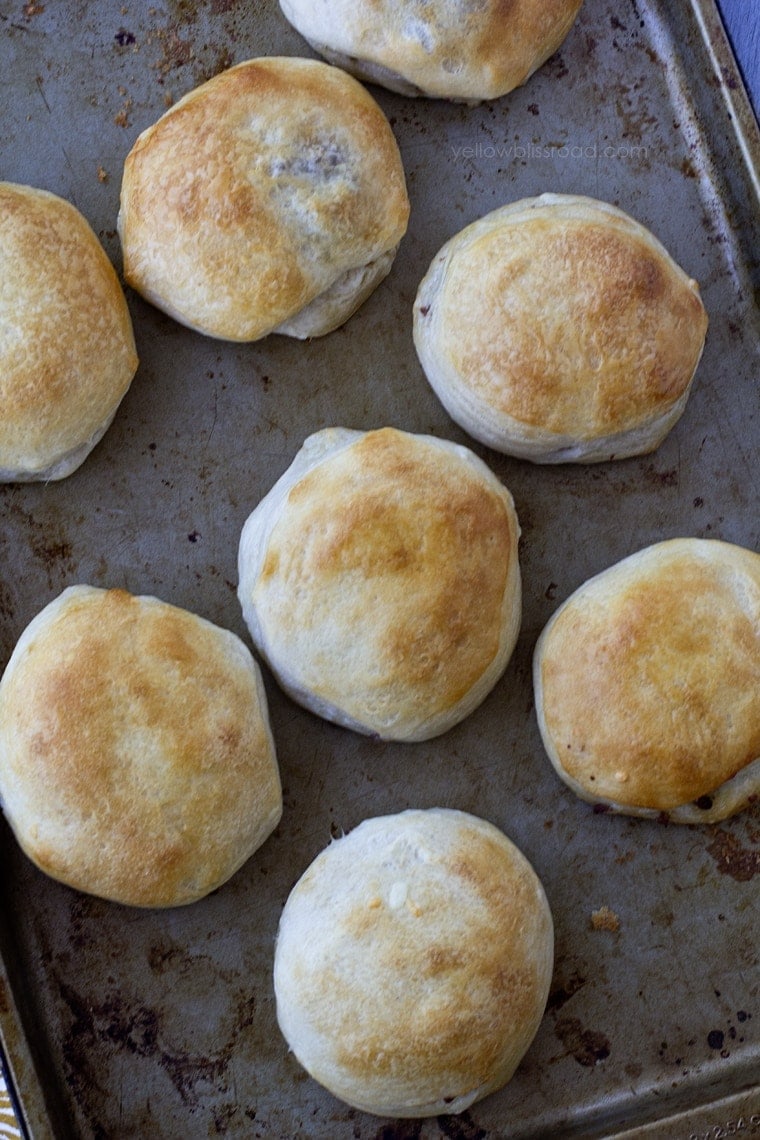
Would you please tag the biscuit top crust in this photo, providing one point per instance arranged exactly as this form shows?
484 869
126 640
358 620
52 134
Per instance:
413 961
256 192
567 316
649 675
459 49
136 760
67 351
385 579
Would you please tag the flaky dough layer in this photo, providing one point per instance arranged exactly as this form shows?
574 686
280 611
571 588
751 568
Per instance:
647 683
413 963
380 581
271 198
558 329
445 49
67 350
136 758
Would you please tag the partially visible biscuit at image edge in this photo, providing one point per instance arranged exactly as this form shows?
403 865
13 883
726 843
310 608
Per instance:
67 349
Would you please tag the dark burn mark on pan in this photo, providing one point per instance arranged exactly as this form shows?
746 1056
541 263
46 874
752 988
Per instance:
556 66
720 1040
400 1130
741 863
563 991
53 551
669 478
461 1127
119 1025
7 608
587 1046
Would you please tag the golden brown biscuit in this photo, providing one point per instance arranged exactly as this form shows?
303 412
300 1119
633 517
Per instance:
136 759
380 581
67 352
647 683
442 48
269 199
558 329
413 963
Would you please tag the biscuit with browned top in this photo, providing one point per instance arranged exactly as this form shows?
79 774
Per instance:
647 683
270 199
558 329
380 581
136 758
447 49
67 350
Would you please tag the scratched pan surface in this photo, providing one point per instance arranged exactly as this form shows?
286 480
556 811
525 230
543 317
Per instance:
122 1023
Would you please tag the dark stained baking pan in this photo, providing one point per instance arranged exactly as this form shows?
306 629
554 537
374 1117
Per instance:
124 1023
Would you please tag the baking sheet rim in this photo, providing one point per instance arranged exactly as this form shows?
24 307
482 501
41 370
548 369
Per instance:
20 1069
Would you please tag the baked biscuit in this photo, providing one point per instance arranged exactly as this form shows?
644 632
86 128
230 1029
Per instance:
380 581
136 758
413 962
270 199
67 351
558 329
445 48
647 683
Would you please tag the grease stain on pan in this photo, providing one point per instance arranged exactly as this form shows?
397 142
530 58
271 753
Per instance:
461 1127
587 1046
563 991
49 545
400 1130
731 858
117 1024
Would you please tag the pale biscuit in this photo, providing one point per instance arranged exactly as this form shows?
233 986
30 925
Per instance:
413 963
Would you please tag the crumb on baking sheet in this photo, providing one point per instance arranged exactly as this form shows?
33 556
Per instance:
102 174
176 52
604 919
121 118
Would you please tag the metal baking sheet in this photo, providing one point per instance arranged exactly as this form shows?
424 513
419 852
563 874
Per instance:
123 1023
